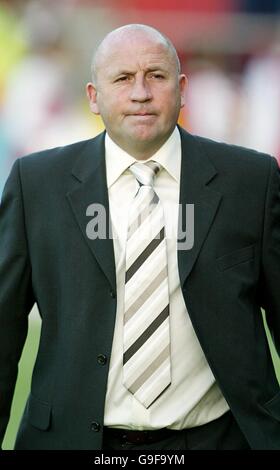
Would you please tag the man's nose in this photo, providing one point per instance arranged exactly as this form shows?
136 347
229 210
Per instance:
140 90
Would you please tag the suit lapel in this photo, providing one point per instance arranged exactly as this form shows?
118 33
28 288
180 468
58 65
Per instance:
196 173
90 171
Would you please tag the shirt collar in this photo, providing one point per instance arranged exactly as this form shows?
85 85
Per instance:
118 161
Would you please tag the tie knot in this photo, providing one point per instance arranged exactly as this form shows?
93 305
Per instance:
145 172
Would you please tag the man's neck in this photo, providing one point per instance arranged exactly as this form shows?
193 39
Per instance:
139 152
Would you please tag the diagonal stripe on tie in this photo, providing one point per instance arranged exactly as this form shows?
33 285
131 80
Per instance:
146 356
143 235
143 277
146 335
150 370
142 216
145 295
144 255
147 353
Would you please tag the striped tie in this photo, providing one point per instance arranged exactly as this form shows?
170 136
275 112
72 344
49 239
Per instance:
146 358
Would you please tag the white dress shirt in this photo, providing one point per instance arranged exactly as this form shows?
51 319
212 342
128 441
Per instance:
193 398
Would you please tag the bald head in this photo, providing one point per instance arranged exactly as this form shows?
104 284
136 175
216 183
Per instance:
131 32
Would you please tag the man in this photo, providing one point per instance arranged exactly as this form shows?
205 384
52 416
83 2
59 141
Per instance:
146 342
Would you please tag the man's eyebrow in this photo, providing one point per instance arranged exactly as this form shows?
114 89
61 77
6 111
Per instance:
122 72
155 68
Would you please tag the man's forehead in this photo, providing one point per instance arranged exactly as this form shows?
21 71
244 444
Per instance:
134 42
127 55
133 45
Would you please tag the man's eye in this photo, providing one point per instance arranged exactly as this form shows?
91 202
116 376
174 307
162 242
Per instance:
158 76
122 79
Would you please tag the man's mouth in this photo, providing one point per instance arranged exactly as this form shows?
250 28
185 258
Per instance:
142 114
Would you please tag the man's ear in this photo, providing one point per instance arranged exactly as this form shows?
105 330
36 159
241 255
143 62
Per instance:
92 97
183 82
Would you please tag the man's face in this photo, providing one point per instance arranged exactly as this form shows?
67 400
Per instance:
138 93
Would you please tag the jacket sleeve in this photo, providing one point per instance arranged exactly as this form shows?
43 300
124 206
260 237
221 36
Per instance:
16 298
270 279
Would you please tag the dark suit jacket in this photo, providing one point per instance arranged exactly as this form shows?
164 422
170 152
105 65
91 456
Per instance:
46 257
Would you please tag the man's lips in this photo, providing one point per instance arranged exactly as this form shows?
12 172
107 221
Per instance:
141 114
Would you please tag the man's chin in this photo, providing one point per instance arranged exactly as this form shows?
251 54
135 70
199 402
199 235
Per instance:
144 135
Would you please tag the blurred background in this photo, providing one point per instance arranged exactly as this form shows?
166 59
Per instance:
229 49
